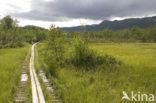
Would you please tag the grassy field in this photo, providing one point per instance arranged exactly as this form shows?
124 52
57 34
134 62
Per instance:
137 73
137 54
10 69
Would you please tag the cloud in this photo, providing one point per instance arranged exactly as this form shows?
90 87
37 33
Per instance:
61 10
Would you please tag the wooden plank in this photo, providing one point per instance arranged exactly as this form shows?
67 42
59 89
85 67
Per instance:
37 93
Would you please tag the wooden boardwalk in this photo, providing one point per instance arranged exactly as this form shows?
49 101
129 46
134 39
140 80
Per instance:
37 94
22 86
53 97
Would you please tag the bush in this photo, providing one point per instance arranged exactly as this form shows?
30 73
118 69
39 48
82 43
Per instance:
13 45
84 57
55 50
81 55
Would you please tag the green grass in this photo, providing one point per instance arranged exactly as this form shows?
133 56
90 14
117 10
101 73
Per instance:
10 69
137 73
136 54
28 88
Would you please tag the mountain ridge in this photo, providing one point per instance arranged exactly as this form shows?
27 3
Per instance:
116 24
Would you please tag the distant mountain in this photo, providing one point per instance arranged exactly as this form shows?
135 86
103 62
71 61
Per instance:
116 24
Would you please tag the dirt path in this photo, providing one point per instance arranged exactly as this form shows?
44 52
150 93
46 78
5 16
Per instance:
37 94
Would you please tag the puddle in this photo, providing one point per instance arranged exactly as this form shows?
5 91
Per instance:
24 77
44 78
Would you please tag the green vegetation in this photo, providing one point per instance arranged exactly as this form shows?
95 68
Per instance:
28 87
10 66
55 50
134 34
86 58
13 36
84 72
137 73
137 54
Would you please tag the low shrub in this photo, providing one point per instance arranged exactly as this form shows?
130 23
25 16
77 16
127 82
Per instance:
84 57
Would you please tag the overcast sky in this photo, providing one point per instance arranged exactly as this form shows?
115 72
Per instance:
65 13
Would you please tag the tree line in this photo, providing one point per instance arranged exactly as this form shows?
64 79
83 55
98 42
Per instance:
13 36
134 34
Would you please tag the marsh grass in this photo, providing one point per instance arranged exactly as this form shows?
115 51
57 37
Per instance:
28 88
137 73
11 61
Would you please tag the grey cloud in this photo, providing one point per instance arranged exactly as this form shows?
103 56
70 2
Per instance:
14 7
58 10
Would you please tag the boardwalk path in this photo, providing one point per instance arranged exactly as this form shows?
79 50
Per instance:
22 86
37 94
